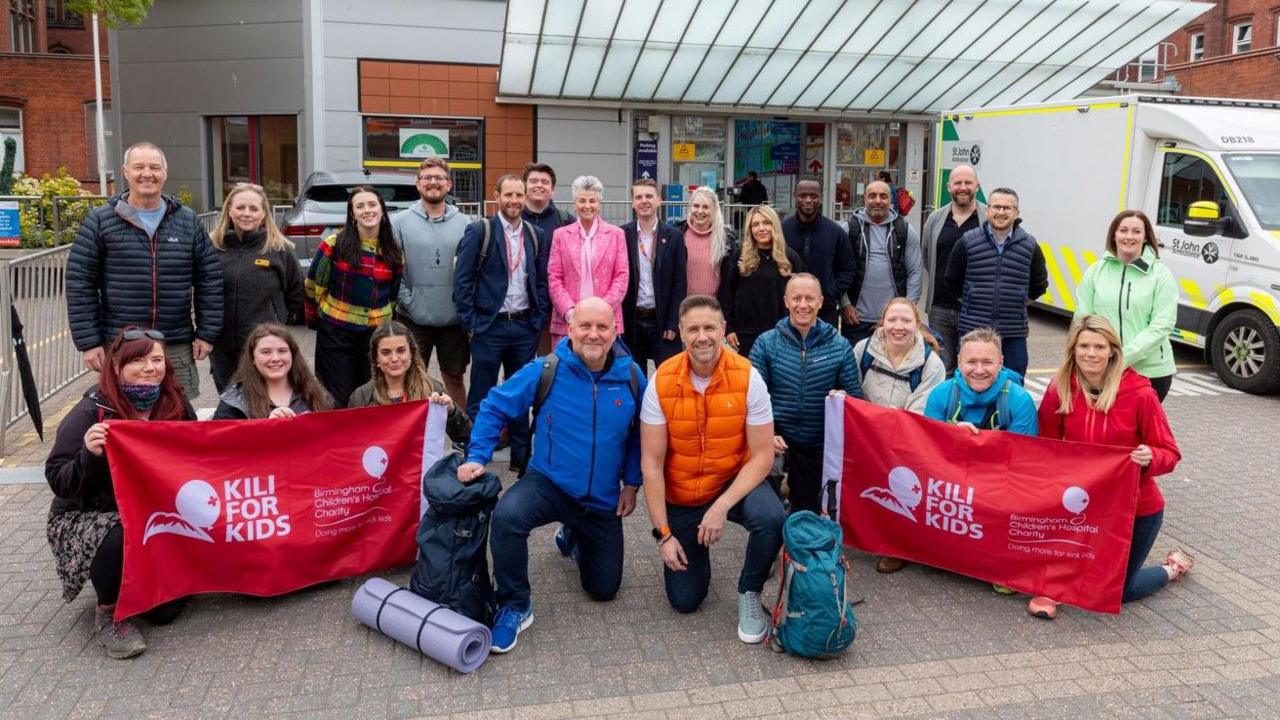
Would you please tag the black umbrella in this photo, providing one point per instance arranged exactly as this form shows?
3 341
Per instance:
29 391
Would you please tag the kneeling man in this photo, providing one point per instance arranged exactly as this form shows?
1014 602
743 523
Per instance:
706 429
585 439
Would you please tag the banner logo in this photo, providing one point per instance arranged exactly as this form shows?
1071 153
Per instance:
197 506
902 496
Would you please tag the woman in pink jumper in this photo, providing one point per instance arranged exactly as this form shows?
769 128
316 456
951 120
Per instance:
588 259
708 240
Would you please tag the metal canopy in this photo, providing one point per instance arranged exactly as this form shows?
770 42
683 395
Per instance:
892 56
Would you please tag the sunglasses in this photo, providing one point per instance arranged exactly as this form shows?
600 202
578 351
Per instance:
139 334
242 185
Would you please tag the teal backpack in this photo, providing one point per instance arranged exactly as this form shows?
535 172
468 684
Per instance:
813 617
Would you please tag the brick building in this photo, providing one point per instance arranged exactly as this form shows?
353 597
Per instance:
1230 51
47 89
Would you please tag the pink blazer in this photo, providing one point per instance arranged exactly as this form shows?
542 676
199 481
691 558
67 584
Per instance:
564 270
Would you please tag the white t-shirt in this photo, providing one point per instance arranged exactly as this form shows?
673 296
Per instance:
759 405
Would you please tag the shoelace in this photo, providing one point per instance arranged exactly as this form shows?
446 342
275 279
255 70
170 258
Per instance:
753 606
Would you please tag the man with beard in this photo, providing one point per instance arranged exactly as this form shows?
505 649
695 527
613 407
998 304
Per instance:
995 270
429 232
823 245
887 262
941 231
706 436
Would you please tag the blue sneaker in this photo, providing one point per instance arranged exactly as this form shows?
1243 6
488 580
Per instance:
509 623
566 543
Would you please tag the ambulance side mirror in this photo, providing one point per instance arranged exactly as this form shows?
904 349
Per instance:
1204 219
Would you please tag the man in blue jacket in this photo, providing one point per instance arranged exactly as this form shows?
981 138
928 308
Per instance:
983 394
657 282
586 438
802 359
500 291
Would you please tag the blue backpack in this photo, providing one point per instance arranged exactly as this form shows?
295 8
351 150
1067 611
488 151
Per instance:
812 617
866 364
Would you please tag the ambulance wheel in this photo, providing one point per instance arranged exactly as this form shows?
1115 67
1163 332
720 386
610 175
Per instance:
1245 351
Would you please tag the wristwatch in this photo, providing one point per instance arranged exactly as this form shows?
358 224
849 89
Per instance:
661 533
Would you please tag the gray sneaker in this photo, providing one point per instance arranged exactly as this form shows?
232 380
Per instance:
752 626
121 639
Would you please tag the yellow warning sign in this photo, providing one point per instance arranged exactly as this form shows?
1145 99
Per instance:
683 152
873 157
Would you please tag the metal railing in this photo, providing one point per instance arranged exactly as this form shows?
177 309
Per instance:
69 211
36 285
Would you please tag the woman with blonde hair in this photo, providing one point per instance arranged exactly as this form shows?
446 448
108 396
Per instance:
1095 398
399 375
754 281
272 380
707 241
261 279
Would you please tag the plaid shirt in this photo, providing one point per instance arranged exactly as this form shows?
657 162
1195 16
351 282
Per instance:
356 298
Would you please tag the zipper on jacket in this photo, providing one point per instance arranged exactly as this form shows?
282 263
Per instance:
1122 306
595 405
155 291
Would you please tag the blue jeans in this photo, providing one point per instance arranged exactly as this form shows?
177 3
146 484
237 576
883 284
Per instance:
535 501
760 512
506 345
1015 354
1139 582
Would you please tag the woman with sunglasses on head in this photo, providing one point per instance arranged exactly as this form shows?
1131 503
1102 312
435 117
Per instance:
1096 398
399 375
261 279
272 380
351 289
84 531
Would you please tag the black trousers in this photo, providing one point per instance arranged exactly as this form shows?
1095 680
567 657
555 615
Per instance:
342 360
222 365
106 571
804 477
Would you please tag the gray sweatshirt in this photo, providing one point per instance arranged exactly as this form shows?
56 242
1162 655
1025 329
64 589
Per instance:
877 280
429 245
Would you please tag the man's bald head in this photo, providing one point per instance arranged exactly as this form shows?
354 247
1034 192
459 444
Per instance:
595 305
962 184
877 201
592 329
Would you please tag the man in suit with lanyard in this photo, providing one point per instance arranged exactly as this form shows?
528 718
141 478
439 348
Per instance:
500 290
657 282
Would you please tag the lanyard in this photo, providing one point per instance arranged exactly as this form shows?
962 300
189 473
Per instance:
516 256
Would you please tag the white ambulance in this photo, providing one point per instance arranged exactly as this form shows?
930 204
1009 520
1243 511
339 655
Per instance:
1075 164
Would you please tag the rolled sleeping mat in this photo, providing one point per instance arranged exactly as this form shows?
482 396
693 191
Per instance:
433 630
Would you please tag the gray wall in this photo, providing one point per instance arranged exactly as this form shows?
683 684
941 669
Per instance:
193 58
583 141
446 31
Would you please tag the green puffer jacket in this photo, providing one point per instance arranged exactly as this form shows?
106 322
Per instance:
1141 300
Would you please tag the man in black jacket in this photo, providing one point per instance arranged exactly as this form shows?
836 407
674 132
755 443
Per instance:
657 282
142 259
823 245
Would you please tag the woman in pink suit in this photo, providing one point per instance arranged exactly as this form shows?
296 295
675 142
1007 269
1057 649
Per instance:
588 259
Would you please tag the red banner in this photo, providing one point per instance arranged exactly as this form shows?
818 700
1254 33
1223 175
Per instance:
265 507
1041 516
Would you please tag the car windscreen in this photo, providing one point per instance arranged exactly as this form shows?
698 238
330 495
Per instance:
333 198
1259 179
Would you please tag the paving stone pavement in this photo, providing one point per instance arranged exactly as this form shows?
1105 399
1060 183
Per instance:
931 644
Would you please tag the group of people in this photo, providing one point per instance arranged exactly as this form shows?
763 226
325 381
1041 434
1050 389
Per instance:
748 332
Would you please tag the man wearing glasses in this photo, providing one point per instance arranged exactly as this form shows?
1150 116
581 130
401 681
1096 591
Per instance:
428 233
995 271
144 259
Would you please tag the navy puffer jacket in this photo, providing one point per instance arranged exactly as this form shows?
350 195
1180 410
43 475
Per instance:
117 276
800 373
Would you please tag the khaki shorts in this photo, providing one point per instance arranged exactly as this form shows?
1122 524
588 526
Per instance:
183 360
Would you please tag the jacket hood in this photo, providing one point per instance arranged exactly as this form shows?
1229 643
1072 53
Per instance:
234 396
968 397
915 357
449 212
1143 264
861 214
821 333
1130 381
549 211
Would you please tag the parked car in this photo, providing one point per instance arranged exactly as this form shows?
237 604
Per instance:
321 206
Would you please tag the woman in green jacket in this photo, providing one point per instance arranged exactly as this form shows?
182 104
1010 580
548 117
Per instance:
1137 294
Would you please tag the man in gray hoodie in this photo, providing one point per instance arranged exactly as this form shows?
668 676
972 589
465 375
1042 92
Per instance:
428 232
887 262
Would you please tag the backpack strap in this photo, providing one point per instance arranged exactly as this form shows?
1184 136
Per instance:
550 363
485 233
865 362
953 403
916 374
997 415
899 236
563 215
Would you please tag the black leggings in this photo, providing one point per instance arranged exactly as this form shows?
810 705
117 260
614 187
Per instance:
105 573
1161 385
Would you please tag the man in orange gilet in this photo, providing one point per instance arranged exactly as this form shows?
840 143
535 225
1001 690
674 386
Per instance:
706 434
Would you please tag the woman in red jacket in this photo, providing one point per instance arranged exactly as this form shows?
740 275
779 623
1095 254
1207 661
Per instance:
1094 398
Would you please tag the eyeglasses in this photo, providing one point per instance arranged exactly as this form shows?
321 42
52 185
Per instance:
1003 208
434 178
137 334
